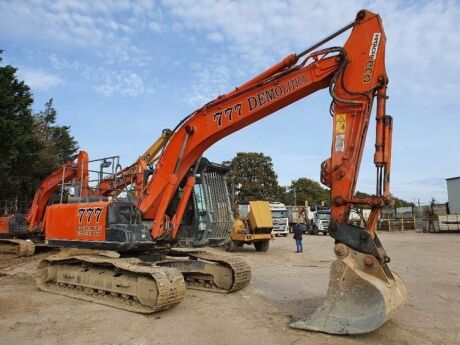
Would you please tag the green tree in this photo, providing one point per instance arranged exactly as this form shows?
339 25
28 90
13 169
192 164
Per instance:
59 144
305 189
18 146
31 146
252 177
310 190
402 203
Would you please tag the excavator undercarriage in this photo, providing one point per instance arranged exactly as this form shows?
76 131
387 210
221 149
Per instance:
17 247
124 283
104 269
145 283
14 235
208 271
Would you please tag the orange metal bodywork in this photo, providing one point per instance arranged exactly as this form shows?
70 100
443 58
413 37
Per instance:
210 124
354 77
5 224
76 221
49 186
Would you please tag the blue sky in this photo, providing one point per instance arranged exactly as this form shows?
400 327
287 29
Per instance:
121 71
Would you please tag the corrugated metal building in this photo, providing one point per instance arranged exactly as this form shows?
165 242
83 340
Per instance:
453 194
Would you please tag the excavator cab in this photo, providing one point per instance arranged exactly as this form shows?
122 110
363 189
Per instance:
208 218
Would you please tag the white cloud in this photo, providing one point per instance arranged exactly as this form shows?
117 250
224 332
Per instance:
215 37
423 47
105 27
105 32
39 80
211 80
429 187
155 26
125 83
422 52
104 80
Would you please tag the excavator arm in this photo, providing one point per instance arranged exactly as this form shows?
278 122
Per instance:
354 75
71 170
134 174
285 84
363 293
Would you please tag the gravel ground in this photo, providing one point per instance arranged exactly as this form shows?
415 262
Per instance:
285 287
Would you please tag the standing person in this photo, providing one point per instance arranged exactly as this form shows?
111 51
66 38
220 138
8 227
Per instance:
298 231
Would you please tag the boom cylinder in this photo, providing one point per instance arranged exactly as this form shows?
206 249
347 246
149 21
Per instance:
379 159
287 62
388 131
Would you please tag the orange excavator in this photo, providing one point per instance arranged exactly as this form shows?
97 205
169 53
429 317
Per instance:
208 218
19 231
146 273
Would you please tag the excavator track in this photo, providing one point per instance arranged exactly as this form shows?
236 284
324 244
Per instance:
17 247
126 283
237 270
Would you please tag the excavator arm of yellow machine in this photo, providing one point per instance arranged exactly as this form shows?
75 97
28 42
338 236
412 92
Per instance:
363 292
114 184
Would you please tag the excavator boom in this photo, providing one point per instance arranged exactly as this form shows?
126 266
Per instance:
355 76
224 116
49 185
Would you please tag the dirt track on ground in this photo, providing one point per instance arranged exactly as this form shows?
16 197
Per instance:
285 287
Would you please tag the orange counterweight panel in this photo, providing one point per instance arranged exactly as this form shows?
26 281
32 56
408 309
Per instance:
5 224
78 222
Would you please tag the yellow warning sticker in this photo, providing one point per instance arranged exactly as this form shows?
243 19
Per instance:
340 123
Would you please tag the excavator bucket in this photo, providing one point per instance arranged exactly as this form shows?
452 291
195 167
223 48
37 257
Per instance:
362 295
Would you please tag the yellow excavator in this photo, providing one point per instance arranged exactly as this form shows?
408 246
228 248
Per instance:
253 229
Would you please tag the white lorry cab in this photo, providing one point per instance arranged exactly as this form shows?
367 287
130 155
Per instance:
320 221
279 218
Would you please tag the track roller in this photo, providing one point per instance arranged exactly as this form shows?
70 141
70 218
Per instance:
125 283
210 272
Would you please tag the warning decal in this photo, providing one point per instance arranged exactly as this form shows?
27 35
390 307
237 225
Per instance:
340 123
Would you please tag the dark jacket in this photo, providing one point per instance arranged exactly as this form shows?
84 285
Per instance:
298 231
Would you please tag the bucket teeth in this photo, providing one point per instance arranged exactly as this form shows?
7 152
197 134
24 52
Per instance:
361 297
